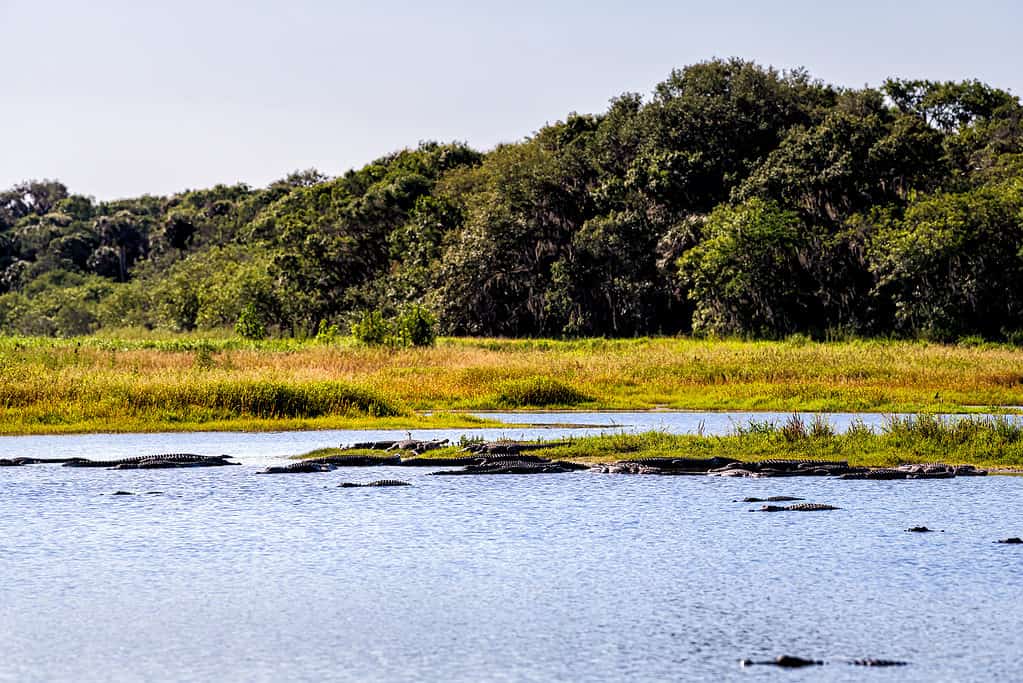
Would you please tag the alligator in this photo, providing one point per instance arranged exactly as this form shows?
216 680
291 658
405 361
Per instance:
368 446
798 507
39 461
786 465
676 466
785 661
459 461
785 468
1015 540
297 468
510 467
509 457
625 468
790 662
174 460
493 448
769 499
381 482
356 460
922 529
937 470
416 446
876 475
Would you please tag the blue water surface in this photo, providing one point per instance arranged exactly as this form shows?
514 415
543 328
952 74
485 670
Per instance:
227 575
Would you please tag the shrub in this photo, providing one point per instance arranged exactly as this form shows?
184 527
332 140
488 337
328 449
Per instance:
372 329
249 324
539 391
415 326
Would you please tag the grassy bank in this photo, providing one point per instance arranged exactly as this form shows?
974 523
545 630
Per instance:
140 383
996 443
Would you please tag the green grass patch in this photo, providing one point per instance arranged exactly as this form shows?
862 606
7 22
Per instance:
538 392
996 443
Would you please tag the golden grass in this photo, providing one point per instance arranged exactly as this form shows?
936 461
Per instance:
143 384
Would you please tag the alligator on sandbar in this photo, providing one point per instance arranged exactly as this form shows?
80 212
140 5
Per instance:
417 447
414 446
380 482
798 507
356 460
297 468
514 467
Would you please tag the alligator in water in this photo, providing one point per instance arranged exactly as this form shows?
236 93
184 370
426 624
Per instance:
154 461
877 475
1015 540
798 507
297 468
785 661
769 499
381 482
790 662
922 529
35 461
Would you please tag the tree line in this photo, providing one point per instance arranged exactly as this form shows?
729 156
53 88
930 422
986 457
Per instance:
734 200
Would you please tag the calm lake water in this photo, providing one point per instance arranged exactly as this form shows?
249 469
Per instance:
575 577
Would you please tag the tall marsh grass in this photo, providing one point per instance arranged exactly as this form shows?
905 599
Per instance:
160 376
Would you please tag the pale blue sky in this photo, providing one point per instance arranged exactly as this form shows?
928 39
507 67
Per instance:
119 98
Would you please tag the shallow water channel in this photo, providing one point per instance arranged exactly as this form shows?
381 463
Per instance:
231 576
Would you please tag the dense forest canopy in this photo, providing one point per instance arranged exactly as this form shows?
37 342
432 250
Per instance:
735 200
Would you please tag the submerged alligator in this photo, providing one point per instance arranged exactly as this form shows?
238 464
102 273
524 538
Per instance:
798 507
769 499
790 662
380 482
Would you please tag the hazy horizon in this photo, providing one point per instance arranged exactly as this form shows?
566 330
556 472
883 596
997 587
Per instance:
117 100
